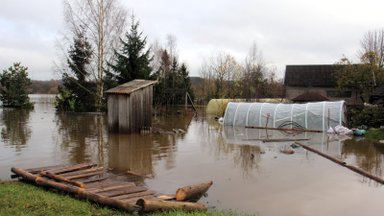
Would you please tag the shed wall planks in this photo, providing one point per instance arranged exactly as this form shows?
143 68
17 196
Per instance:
132 112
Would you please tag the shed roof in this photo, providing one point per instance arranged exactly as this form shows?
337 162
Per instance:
310 75
129 87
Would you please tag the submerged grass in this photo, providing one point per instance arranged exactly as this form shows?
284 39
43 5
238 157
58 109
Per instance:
18 198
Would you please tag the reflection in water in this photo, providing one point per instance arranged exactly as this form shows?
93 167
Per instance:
83 136
131 153
16 129
366 154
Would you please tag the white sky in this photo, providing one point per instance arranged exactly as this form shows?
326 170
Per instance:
287 32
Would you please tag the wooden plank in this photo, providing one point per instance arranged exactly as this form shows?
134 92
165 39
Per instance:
125 191
86 175
93 180
135 195
112 188
94 169
102 184
71 168
39 169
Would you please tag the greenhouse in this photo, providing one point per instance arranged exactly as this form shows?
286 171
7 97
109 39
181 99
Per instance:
313 116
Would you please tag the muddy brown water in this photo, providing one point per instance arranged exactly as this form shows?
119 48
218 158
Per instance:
249 176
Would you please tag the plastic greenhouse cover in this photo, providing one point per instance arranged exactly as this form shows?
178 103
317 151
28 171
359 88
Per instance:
315 116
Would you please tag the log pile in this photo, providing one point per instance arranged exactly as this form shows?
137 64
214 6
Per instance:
88 181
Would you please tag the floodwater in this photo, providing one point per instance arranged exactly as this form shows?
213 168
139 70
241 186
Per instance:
249 176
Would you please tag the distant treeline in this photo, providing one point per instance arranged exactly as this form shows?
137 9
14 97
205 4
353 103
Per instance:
44 86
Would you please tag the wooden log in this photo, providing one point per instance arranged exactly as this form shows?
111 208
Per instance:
86 175
192 192
94 169
166 197
61 178
364 173
38 169
150 205
135 195
80 192
279 139
321 153
342 163
134 199
127 190
286 129
72 168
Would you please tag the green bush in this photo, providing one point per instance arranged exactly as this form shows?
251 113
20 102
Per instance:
369 116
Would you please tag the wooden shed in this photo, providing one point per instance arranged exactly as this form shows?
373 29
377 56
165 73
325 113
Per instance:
130 106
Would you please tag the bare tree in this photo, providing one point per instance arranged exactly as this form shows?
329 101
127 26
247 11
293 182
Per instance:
171 46
254 73
104 21
372 48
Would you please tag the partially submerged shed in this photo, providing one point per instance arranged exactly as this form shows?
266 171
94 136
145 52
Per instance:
130 106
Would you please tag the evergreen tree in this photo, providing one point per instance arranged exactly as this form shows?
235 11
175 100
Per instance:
14 87
133 61
185 81
76 93
173 83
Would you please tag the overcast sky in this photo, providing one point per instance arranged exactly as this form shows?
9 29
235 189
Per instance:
287 32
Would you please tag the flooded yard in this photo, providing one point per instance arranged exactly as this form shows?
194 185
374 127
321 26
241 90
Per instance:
249 176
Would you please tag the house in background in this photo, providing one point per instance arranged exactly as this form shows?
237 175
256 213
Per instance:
306 83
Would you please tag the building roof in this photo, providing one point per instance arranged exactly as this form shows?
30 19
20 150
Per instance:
310 75
310 96
129 87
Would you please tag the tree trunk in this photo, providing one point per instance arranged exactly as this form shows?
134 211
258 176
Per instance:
192 192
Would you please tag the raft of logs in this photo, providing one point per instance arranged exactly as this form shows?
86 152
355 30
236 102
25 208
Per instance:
90 182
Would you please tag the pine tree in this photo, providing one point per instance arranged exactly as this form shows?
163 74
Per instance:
15 84
76 93
133 61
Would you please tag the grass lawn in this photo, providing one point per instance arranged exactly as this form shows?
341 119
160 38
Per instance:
18 198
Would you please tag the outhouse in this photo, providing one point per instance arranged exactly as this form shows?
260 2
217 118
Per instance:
130 106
